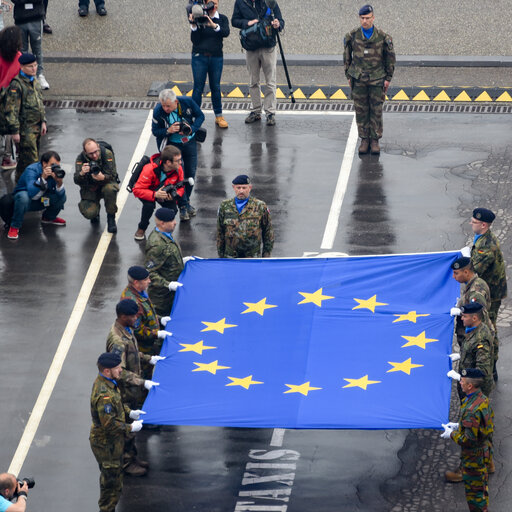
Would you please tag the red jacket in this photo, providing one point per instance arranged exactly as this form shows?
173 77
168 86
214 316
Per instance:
8 70
149 180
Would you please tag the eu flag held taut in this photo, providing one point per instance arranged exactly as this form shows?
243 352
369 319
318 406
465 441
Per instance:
356 342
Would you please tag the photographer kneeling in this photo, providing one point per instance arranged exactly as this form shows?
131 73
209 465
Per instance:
160 181
40 187
10 488
96 174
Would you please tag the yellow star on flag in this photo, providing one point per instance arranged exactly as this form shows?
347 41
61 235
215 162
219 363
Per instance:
370 304
210 367
412 316
419 341
245 382
362 383
316 298
217 326
405 366
303 389
257 307
195 347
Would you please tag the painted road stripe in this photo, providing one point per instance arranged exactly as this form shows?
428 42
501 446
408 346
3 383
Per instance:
76 315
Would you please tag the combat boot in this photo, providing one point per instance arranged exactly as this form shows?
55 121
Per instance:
374 147
364 146
135 470
453 476
111 223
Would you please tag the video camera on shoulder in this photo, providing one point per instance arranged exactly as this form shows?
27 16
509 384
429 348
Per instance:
200 12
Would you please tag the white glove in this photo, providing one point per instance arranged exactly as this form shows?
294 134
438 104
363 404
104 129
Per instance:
191 182
466 252
148 384
155 359
454 357
455 426
453 375
164 320
188 258
163 334
137 425
174 285
455 312
447 431
135 414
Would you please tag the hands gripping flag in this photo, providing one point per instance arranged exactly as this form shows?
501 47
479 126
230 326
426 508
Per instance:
357 342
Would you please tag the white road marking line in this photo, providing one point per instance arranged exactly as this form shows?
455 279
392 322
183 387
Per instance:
76 315
277 437
341 187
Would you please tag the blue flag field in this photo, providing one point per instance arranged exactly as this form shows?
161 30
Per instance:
345 343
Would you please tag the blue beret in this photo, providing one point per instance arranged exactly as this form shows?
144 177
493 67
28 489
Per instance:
366 9
461 262
472 373
109 360
483 215
471 308
138 273
165 214
127 307
243 179
26 58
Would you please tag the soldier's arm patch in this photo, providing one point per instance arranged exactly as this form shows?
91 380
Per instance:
480 346
117 350
108 408
150 264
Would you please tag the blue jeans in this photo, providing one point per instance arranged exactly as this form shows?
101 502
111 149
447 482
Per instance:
189 159
84 4
23 204
201 66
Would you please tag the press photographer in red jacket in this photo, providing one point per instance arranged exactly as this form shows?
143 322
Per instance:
152 186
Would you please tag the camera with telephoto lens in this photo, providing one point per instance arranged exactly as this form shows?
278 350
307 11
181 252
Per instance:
200 12
185 128
94 168
172 191
59 173
30 483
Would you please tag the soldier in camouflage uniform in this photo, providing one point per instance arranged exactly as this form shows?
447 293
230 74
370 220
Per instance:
164 262
369 60
475 428
109 429
244 224
97 185
24 113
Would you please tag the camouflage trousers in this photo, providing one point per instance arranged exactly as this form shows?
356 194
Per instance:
133 397
475 478
89 206
493 311
368 99
28 149
109 456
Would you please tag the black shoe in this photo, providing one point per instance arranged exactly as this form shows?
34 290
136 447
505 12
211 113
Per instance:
111 223
96 220
83 12
47 29
253 116
101 11
271 120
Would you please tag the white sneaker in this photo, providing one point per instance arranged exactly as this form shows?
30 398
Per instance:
42 81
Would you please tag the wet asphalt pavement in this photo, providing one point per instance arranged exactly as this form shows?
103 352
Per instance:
417 196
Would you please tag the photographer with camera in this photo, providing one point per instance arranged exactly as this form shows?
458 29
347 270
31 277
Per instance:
40 187
11 488
160 181
176 121
96 174
208 29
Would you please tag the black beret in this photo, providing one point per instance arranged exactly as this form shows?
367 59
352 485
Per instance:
137 272
461 262
165 214
26 58
242 179
127 307
483 214
109 360
471 308
366 9
472 373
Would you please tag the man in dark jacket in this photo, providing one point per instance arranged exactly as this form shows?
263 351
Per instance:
176 120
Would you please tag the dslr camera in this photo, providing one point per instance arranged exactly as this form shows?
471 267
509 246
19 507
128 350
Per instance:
185 128
94 167
30 483
200 12
59 173
172 190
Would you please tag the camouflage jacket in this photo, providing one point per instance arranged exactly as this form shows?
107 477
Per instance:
369 59
488 262
124 343
147 326
106 161
164 263
107 410
23 105
477 351
476 424
240 235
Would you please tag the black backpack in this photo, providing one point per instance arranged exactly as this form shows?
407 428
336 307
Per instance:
137 169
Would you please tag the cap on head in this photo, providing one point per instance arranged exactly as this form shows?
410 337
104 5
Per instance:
26 58
483 215
471 308
165 214
127 307
242 179
109 360
138 273
366 9
461 262
472 373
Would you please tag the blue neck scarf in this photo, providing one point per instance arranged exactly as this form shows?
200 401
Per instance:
168 235
31 78
111 380
476 237
367 32
469 329
240 204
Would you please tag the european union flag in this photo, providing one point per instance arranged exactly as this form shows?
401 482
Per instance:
357 342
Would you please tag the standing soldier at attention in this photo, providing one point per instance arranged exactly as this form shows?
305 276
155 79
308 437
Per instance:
244 224
369 60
